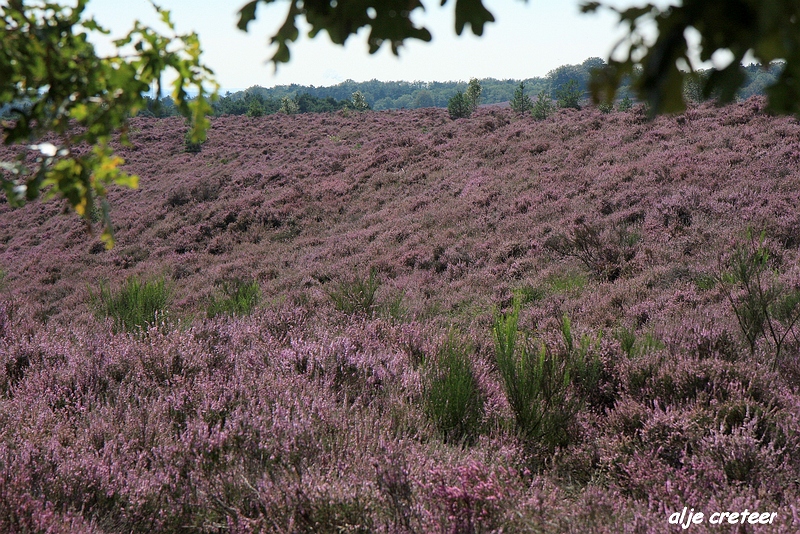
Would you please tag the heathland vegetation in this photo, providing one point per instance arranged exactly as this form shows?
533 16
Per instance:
398 322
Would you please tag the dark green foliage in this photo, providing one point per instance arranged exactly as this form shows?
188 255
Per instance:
239 297
356 295
521 103
543 107
536 383
453 400
190 146
256 109
625 104
359 102
473 93
459 107
766 30
584 365
135 306
65 95
764 308
605 108
569 96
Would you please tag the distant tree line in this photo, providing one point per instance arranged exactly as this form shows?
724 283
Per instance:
410 95
566 79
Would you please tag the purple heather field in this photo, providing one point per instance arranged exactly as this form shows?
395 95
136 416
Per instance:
314 413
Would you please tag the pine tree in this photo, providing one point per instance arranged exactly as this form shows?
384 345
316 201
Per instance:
459 107
543 106
521 103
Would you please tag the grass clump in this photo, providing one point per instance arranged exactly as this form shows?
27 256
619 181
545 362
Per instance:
453 400
633 346
537 380
356 295
566 282
135 306
239 297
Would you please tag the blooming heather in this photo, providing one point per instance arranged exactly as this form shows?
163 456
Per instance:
301 417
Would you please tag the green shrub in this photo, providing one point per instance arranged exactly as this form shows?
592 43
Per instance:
135 306
239 298
763 307
625 104
459 107
356 295
256 109
288 106
605 252
394 309
543 107
359 101
521 103
569 95
633 346
536 383
190 146
605 107
584 365
566 282
473 94
453 400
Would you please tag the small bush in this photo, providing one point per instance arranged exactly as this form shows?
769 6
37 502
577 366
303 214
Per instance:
763 307
256 109
239 298
459 107
536 383
288 106
604 252
356 295
359 101
473 94
521 103
135 306
626 104
190 146
569 95
543 107
605 107
452 398
633 346
566 282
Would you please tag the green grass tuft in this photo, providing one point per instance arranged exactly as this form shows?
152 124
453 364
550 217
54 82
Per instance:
135 306
240 298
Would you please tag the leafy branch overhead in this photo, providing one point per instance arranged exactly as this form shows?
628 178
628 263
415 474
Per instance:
766 30
389 21
54 79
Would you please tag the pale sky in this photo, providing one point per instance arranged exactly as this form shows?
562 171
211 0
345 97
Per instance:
527 40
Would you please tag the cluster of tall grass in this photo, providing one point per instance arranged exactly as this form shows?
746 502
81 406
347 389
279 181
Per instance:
135 306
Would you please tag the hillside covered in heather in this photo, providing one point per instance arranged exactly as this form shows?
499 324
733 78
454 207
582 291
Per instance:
653 264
